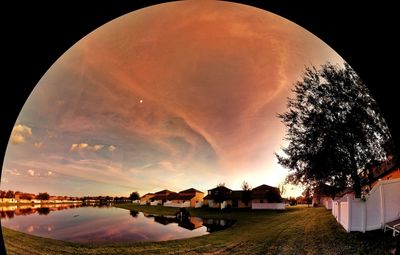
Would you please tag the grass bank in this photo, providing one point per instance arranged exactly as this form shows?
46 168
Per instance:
295 231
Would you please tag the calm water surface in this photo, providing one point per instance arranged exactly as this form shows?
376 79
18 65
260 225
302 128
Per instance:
104 224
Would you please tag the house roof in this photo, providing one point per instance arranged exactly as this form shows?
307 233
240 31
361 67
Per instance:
164 196
165 191
221 187
148 194
264 187
208 197
191 190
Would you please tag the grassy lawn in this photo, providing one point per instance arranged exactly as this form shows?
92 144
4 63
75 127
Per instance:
295 231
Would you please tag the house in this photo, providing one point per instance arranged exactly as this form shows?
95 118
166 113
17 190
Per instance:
24 197
387 170
214 194
266 197
8 201
261 197
145 199
160 197
186 198
238 197
323 200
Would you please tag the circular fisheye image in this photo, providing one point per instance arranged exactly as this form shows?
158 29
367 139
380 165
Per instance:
201 127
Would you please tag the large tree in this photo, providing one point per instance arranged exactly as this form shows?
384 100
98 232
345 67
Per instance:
334 129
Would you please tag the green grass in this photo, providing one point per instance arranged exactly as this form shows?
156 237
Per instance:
295 231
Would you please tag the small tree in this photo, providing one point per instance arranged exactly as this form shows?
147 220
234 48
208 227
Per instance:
2 193
134 196
10 194
43 196
220 193
246 194
307 196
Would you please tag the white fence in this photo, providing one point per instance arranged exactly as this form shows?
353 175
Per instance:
179 205
382 205
269 206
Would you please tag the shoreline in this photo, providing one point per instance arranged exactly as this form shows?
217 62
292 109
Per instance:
297 230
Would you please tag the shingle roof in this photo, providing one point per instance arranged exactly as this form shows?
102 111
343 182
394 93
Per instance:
264 187
165 191
191 190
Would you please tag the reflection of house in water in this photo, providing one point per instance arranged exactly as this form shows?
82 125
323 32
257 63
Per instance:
164 220
217 224
22 210
192 223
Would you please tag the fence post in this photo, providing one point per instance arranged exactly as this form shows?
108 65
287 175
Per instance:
363 215
382 197
349 205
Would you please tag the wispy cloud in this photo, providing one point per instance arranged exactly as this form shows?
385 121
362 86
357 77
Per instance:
38 145
12 171
111 148
20 133
31 172
85 146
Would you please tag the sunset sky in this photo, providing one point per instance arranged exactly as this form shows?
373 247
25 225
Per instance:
177 95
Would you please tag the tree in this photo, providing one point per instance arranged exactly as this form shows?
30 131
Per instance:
220 193
134 196
2 193
43 196
10 194
246 194
307 195
334 129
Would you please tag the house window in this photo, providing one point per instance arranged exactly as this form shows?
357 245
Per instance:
209 192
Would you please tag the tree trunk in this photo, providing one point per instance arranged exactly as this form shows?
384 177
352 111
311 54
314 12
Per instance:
356 183
354 175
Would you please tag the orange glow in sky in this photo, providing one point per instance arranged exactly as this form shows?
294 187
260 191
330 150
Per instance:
177 95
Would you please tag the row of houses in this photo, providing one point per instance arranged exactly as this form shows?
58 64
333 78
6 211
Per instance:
261 197
28 198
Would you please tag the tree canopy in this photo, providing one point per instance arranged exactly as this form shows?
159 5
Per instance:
246 194
43 196
134 196
334 129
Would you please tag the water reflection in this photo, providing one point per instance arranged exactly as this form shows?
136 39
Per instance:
191 223
103 224
11 211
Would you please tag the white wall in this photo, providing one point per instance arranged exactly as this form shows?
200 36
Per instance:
270 206
179 205
344 214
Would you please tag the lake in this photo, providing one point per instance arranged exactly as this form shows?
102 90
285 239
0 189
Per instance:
95 224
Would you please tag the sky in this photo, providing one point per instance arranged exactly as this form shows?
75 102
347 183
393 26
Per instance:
172 96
